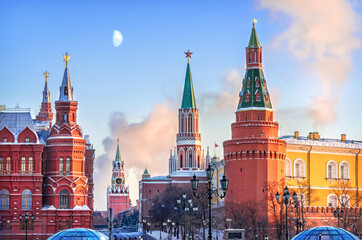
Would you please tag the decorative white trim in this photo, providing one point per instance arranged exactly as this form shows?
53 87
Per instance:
254 108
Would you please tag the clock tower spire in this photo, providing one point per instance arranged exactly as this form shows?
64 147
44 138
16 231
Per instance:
118 192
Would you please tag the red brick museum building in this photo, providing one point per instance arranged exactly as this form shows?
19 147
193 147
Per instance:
46 169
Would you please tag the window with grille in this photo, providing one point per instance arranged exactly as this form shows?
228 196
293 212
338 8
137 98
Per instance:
1 165
8 165
67 166
61 167
26 201
30 166
23 165
4 199
64 199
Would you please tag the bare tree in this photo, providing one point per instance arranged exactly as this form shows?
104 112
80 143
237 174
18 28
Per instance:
348 199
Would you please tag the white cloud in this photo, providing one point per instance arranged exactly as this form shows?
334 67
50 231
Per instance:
322 35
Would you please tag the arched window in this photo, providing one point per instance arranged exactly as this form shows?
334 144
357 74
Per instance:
8 165
198 161
256 82
30 166
255 57
190 123
23 165
344 200
344 170
65 90
61 166
65 117
257 96
1 165
4 199
248 83
247 97
26 200
64 199
260 59
332 200
67 166
181 161
249 57
331 169
299 168
190 160
288 168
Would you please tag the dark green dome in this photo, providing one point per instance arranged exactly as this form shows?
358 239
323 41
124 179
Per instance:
327 233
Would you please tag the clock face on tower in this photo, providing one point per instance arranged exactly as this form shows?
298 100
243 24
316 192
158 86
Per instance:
118 181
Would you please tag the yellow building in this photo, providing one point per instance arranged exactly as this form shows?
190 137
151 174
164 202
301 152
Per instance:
324 172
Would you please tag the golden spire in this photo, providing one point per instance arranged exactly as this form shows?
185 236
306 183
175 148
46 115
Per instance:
66 59
254 21
46 75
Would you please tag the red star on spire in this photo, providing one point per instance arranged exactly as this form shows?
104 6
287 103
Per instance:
188 54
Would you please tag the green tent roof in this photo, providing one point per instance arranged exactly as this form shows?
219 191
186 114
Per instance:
188 99
145 172
118 156
254 94
254 41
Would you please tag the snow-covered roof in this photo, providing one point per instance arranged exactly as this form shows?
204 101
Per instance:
327 142
16 121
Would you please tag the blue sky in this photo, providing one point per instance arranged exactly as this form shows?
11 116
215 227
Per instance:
148 68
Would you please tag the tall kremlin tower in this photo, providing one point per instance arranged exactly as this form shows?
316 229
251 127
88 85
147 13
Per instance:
254 156
189 154
187 159
118 193
68 159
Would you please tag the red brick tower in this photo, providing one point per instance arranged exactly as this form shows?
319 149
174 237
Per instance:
189 154
68 160
254 156
118 193
45 113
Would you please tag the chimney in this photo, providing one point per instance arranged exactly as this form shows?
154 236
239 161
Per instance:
296 134
310 135
316 135
343 137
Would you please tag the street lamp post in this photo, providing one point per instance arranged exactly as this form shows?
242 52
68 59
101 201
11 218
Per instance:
210 191
26 219
286 197
338 214
185 208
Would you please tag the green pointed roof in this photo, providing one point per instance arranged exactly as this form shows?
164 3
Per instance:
145 172
188 99
254 94
254 41
118 155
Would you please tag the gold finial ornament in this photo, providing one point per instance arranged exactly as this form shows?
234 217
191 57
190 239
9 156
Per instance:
66 59
46 75
254 21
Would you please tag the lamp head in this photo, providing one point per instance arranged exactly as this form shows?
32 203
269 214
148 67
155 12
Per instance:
184 196
224 183
178 200
209 172
277 196
286 190
194 184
